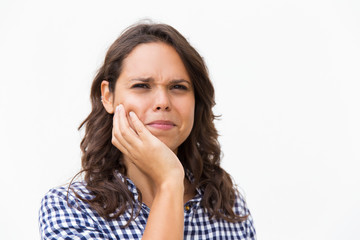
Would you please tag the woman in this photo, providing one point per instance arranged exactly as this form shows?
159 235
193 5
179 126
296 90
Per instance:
151 158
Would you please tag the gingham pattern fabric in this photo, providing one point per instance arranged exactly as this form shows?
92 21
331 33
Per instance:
58 220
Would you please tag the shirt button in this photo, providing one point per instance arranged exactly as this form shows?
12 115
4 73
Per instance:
187 207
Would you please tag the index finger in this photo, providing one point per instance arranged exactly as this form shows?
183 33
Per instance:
140 129
122 128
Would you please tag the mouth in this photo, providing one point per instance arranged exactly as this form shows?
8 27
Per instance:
163 125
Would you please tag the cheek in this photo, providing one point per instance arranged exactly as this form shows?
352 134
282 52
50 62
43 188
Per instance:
191 120
138 109
188 112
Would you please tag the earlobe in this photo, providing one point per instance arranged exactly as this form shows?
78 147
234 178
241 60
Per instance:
107 97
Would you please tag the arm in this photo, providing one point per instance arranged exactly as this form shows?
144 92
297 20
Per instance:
162 167
166 219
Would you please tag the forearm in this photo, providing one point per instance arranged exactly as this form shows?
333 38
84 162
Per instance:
166 219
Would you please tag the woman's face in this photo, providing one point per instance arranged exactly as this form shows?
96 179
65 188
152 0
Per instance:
156 86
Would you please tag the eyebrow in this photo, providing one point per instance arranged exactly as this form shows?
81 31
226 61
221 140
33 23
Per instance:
150 79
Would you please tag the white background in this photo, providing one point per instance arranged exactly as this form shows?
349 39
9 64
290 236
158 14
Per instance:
287 79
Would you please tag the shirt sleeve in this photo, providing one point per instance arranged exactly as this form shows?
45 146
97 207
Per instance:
58 220
247 226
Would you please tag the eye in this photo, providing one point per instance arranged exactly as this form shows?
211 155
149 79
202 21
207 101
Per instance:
140 85
180 87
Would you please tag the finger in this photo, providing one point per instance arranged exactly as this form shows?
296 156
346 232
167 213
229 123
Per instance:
123 130
117 139
119 146
140 129
117 133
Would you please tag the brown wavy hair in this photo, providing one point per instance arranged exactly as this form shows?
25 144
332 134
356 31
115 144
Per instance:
200 153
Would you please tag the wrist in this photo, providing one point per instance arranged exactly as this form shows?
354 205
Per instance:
172 186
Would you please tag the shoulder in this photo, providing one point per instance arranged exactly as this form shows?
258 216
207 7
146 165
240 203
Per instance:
64 198
68 192
241 209
63 214
240 206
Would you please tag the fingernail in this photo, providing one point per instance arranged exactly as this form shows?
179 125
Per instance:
132 114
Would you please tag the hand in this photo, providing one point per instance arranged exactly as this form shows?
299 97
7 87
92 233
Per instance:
148 153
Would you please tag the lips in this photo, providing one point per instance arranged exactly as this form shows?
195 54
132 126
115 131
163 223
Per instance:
161 124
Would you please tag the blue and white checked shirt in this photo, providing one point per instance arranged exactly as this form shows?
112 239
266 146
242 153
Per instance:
59 221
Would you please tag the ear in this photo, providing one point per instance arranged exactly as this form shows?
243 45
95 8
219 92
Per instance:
107 97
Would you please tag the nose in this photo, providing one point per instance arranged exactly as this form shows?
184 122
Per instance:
161 101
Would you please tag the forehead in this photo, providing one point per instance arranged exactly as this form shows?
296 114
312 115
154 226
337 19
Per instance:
156 60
